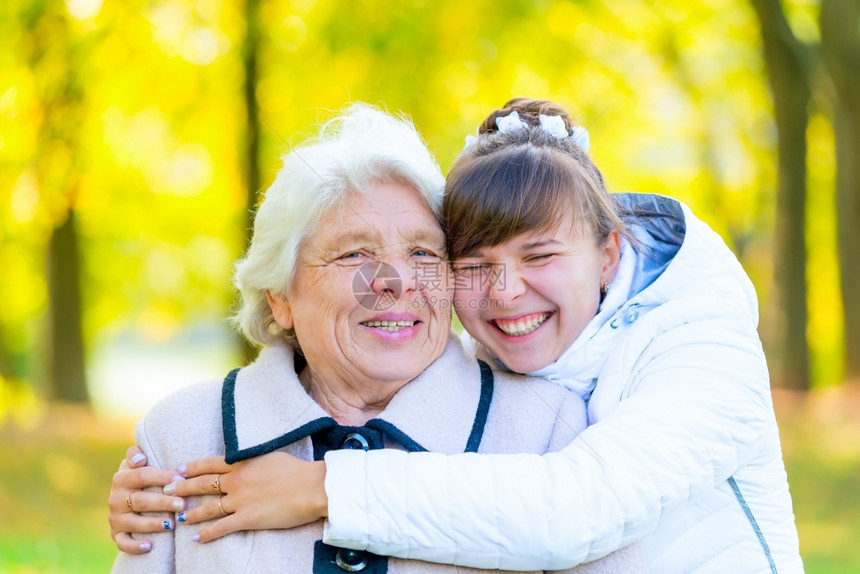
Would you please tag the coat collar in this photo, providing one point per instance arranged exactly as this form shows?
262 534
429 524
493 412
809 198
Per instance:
265 407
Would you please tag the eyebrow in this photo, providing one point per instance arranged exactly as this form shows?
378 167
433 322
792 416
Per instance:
528 246
355 237
539 243
427 235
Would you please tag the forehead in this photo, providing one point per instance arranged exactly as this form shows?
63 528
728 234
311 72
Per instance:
376 214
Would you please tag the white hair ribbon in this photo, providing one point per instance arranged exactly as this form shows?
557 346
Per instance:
510 122
553 125
580 137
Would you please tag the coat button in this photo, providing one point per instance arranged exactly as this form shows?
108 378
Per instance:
351 560
632 315
355 441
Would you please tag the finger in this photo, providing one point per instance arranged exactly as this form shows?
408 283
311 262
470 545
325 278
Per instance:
135 457
137 478
201 513
219 528
126 488
204 484
208 465
151 502
138 524
208 511
130 545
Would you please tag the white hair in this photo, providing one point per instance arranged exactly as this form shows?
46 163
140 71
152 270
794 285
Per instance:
361 147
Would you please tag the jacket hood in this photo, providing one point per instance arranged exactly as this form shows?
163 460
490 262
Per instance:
681 256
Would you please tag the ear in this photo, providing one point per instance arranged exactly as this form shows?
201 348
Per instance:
281 310
611 254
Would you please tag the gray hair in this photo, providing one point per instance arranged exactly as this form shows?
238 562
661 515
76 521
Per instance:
360 148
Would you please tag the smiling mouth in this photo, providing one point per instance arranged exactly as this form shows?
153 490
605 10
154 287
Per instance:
389 325
521 326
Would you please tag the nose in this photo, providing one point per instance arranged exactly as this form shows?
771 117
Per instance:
385 278
505 284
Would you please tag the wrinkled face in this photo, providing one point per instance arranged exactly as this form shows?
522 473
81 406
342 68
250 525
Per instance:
529 298
370 301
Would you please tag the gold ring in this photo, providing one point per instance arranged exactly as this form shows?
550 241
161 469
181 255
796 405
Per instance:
221 508
216 484
128 502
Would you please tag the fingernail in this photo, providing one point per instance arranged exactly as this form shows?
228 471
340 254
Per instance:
196 538
179 505
167 525
145 546
177 478
182 469
180 517
137 458
169 488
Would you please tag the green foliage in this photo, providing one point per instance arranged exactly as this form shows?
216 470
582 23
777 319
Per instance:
672 92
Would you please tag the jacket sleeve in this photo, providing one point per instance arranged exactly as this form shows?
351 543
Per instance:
159 560
692 413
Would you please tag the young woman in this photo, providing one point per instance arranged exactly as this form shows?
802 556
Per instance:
629 300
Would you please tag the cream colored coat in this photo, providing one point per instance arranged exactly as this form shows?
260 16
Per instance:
437 410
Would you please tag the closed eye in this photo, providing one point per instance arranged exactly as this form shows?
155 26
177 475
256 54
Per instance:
540 258
469 267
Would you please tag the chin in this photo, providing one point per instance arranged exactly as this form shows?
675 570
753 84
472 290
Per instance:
523 364
388 369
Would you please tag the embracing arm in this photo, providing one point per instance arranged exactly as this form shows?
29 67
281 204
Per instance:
695 414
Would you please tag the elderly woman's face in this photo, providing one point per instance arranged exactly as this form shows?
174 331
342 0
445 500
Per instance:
370 297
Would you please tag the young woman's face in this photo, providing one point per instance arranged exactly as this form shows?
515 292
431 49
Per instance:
529 298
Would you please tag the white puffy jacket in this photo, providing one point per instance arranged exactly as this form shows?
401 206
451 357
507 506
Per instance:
683 452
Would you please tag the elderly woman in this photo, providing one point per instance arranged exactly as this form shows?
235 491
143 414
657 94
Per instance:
346 287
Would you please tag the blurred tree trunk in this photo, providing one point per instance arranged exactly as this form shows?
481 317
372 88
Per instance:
787 64
250 52
840 50
67 373
52 58
5 360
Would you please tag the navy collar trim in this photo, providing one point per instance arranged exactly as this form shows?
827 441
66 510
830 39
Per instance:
231 440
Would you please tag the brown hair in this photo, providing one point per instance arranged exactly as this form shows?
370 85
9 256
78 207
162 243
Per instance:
518 181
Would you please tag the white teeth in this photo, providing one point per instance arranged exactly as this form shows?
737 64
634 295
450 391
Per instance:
389 325
522 327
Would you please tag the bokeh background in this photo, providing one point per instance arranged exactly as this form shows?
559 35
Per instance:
137 136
